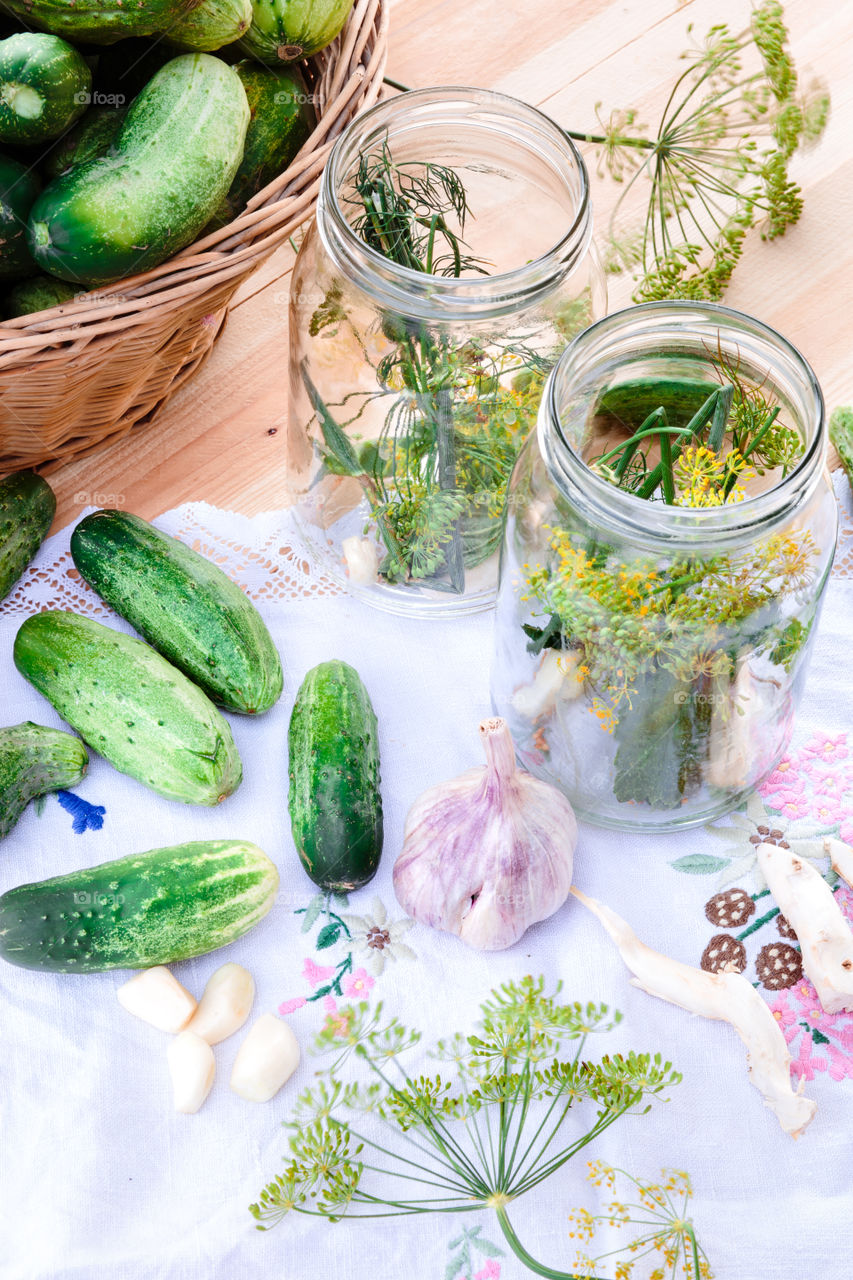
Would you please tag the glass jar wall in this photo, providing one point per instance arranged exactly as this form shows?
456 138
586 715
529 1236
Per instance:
450 261
650 655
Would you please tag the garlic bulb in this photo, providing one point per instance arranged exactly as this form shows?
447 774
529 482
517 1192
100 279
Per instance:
489 853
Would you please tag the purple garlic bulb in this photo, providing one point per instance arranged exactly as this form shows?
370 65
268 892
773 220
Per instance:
489 853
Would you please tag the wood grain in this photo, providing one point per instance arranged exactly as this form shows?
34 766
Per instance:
221 440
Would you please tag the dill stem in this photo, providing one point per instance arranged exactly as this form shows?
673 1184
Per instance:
600 139
524 1257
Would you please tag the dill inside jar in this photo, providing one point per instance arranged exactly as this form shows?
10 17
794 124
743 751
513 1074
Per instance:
670 532
449 263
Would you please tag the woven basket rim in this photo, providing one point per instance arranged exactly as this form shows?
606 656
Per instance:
266 222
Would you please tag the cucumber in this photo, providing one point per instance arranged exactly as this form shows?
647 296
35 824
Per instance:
210 25
334 799
131 706
39 293
286 30
281 118
134 912
186 607
172 161
33 761
27 508
631 402
19 187
45 85
90 138
98 21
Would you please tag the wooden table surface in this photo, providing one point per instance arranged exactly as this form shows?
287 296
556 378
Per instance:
220 438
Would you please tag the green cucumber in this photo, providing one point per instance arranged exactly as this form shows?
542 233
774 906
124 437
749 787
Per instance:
183 605
90 138
210 25
632 401
27 508
45 85
334 799
131 706
98 21
286 30
145 909
281 118
171 163
19 187
33 761
39 293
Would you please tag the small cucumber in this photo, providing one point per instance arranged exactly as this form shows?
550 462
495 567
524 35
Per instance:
287 30
27 508
19 187
210 25
186 607
632 401
33 761
335 800
145 909
90 138
98 21
37 294
45 85
131 706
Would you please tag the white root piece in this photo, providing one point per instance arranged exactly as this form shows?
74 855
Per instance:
730 752
157 997
362 560
727 996
553 682
192 1068
841 858
267 1058
225 1005
825 938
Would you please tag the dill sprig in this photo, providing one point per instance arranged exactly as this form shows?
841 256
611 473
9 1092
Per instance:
718 162
492 1126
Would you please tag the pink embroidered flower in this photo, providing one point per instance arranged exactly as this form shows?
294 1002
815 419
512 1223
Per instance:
783 778
290 1006
833 781
783 1015
330 1004
846 831
316 973
357 983
793 804
840 1063
491 1271
826 808
804 1065
823 747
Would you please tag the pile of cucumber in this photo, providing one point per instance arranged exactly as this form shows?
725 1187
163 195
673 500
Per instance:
128 130
150 707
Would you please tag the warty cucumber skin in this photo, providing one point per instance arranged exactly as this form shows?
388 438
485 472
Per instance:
286 30
211 24
183 605
138 911
169 166
55 79
131 706
27 508
98 21
33 761
334 798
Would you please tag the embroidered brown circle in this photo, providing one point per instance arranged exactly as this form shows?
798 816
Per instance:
724 951
378 938
784 928
730 909
766 836
778 965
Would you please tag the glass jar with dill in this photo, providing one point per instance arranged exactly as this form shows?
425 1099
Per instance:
450 260
670 531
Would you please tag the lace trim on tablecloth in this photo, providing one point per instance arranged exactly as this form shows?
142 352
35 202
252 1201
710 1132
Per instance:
262 553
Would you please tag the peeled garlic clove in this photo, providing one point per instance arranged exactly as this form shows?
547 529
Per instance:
192 1068
156 996
554 682
225 1005
489 853
267 1058
362 560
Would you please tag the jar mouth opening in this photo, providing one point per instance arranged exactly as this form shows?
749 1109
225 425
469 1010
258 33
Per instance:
655 519
529 131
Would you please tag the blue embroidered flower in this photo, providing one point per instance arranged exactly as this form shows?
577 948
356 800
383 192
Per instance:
87 817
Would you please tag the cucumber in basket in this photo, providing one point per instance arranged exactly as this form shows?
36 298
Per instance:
39 293
183 605
27 508
98 21
170 165
286 30
90 138
335 801
145 909
33 761
210 25
45 85
19 187
131 706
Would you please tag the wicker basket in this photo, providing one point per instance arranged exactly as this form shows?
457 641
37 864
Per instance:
90 370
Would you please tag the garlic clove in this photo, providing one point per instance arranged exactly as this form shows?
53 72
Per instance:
156 996
554 682
192 1068
266 1060
225 1005
489 853
361 557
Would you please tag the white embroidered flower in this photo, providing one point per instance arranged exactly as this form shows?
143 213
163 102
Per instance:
747 830
374 938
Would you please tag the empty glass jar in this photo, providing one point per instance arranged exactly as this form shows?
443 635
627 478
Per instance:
450 260
650 655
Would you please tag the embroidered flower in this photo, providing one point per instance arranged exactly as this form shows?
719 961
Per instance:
290 1006
784 1015
804 1065
374 939
356 985
792 803
752 826
491 1271
821 746
784 775
316 973
826 809
87 817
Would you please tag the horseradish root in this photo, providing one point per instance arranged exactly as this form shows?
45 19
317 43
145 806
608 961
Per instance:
156 996
192 1068
841 858
727 996
808 904
554 682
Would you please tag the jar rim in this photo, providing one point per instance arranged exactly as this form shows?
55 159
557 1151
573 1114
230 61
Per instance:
659 521
439 297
